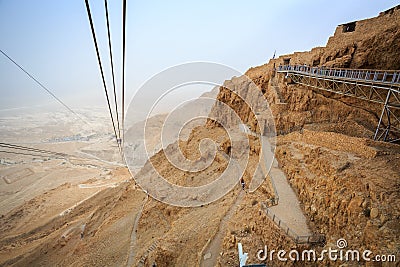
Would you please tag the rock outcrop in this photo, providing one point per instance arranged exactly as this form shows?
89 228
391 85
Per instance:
347 183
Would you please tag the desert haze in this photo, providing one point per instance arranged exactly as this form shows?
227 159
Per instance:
318 132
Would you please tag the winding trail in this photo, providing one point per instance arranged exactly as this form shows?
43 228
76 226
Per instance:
288 208
210 254
78 203
131 255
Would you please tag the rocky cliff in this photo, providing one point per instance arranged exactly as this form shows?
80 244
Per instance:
347 183
371 43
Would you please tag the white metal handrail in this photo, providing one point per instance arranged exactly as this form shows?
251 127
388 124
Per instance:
388 77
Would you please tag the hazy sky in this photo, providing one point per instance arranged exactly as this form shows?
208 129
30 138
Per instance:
52 40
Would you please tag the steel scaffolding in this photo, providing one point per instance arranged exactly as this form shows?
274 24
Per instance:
377 86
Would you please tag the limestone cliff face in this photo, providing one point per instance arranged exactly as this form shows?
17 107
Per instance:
348 184
371 43
347 187
241 96
374 43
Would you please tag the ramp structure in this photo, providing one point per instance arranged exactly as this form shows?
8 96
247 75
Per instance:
379 86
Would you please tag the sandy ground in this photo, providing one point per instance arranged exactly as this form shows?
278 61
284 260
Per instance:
77 211
38 188
86 210
24 174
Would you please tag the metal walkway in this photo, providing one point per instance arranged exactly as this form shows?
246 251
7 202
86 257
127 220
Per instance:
377 86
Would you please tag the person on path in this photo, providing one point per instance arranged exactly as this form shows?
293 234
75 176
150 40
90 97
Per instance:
243 183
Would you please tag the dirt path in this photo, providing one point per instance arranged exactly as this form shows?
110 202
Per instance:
78 203
288 208
131 255
211 252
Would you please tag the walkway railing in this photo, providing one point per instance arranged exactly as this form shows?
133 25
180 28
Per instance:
273 201
388 77
298 239
379 86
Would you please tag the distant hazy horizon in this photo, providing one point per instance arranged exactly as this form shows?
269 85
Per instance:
52 40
